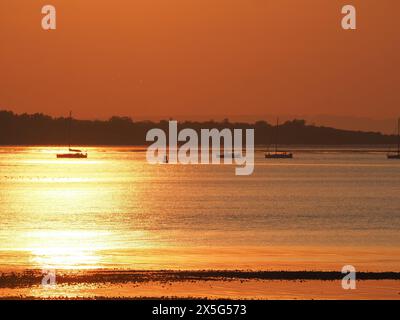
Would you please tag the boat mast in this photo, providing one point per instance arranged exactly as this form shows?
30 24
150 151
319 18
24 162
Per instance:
398 137
69 130
276 135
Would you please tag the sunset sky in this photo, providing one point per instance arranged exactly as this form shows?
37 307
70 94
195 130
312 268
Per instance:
200 58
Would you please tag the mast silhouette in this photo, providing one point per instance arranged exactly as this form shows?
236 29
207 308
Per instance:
277 154
69 130
72 153
398 137
396 155
276 135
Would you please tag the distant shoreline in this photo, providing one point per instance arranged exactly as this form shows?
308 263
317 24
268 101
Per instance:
40 129
375 148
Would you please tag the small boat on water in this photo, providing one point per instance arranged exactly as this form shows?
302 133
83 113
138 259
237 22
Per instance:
279 155
396 155
276 154
72 153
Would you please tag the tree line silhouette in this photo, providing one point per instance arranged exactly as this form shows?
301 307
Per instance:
40 129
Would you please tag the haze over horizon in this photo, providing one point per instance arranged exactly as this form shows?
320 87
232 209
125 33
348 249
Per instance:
201 59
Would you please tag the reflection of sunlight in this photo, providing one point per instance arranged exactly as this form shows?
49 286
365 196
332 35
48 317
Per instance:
69 213
65 258
67 194
61 161
66 249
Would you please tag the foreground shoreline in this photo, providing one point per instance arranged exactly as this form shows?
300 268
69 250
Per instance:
201 284
34 276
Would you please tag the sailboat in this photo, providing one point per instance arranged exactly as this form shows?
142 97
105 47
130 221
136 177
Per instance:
72 153
278 154
396 155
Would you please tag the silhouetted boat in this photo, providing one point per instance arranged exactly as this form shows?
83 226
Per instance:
278 154
72 153
396 155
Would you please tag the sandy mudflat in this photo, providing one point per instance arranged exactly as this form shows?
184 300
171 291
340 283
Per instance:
128 284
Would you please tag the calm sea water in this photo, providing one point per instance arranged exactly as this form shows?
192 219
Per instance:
320 210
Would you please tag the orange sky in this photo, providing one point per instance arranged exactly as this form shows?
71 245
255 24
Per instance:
174 58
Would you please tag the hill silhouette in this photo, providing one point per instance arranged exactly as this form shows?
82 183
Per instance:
40 129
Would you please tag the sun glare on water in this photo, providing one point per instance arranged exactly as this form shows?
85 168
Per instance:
66 249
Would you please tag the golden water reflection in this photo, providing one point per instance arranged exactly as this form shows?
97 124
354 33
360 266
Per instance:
114 210
66 249
62 213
